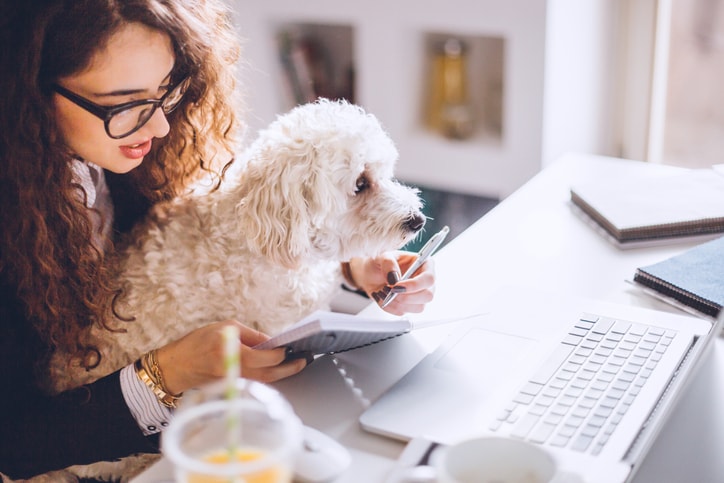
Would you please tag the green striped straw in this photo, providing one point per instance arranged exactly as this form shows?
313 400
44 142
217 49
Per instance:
232 368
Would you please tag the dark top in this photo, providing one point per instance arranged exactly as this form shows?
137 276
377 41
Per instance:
39 433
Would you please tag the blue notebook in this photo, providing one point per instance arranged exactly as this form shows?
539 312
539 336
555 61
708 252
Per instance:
694 278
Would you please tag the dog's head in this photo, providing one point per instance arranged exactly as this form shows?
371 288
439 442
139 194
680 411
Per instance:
319 185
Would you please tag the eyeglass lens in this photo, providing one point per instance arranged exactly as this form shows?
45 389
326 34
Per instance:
129 120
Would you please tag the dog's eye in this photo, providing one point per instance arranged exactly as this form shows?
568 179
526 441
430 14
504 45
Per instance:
361 184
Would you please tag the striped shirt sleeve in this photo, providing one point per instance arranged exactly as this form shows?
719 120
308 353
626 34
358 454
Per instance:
147 410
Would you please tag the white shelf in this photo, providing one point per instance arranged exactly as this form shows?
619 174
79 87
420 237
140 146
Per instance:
390 52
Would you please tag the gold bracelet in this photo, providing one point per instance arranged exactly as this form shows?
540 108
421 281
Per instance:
168 400
347 274
156 373
151 361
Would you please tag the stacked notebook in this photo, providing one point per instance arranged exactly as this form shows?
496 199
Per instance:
692 280
636 203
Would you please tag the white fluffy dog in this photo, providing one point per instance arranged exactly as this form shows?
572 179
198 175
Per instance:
316 188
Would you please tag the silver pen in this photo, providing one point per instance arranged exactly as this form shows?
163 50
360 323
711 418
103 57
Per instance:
428 249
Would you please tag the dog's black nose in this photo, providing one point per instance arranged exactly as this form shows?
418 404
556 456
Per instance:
415 222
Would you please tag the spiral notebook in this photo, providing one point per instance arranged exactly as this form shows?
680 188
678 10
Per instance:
693 279
635 203
324 332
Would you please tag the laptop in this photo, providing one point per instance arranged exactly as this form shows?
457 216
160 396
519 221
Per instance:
592 382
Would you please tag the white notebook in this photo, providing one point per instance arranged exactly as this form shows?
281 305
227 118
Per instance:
635 203
324 332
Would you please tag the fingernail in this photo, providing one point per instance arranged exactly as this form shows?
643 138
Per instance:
399 289
393 277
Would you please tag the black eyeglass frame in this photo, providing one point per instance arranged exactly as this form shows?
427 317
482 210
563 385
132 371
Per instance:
106 113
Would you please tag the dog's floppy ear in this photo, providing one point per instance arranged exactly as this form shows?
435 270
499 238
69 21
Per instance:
274 209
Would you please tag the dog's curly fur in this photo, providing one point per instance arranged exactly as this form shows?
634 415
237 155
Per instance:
314 189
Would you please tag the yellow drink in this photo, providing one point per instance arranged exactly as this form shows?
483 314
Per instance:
275 474
266 436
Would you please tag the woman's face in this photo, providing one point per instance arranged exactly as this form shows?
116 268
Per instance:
135 64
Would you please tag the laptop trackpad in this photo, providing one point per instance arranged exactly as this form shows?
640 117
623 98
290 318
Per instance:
479 354
443 395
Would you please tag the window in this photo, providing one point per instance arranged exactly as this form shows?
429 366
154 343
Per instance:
673 83
694 115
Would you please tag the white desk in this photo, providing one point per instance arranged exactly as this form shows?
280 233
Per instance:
534 239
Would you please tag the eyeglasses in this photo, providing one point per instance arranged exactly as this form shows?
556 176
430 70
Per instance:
124 119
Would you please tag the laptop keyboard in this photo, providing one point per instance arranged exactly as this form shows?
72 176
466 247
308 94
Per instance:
580 394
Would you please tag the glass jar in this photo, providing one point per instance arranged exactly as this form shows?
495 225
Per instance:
450 111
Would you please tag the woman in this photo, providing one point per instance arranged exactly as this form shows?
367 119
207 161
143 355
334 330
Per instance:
108 107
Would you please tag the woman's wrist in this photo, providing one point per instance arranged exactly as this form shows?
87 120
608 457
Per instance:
350 283
348 277
149 372
174 380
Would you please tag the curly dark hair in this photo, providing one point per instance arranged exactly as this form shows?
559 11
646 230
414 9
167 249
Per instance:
47 248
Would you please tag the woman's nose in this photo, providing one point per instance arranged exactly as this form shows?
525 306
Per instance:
158 124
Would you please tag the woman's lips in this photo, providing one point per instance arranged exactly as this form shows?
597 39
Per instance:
135 151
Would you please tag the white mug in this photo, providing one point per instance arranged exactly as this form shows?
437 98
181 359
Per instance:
496 460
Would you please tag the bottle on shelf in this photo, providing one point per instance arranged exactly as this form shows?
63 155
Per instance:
450 111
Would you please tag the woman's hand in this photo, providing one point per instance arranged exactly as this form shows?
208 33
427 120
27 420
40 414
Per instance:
380 275
198 358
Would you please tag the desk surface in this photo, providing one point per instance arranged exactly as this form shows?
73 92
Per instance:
531 239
